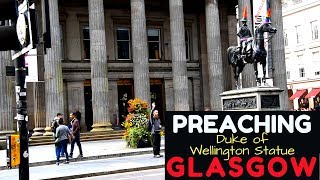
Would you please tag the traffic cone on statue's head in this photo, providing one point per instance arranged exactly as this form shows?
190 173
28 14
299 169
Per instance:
267 20
245 14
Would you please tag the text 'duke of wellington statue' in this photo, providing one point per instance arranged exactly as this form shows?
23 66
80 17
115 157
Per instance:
252 49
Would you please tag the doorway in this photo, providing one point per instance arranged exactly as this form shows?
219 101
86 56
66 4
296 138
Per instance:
157 96
125 93
88 105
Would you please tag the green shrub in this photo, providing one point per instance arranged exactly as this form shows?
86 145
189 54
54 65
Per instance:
135 135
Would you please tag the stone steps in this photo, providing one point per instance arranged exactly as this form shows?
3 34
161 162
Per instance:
45 140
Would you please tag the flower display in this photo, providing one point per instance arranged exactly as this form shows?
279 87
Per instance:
135 123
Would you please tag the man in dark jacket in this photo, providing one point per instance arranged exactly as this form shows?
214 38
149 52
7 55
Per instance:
155 131
78 115
76 133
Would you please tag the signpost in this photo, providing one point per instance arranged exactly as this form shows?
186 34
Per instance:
19 33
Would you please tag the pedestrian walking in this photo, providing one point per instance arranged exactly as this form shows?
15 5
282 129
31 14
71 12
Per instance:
76 133
155 131
54 126
78 115
62 139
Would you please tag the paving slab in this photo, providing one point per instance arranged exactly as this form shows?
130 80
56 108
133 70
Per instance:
89 168
44 155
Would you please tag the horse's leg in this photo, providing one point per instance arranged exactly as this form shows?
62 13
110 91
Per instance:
264 72
255 66
240 69
236 75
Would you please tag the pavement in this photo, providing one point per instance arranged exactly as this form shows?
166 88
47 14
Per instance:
153 174
100 167
45 155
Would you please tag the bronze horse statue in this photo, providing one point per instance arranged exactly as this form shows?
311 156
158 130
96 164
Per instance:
255 53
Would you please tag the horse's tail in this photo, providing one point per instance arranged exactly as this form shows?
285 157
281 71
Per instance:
230 54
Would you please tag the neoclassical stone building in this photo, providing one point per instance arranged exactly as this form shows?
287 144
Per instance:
105 52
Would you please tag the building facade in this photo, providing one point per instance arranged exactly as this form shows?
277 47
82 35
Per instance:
301 22
104 53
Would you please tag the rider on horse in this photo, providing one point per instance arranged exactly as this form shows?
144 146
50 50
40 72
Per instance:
244 33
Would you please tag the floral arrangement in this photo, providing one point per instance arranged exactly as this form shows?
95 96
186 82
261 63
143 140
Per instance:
135 123
138 106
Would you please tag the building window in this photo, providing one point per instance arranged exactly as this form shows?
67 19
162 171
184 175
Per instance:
317 73
154 44
299 34
188 43
302 72
123 43
285 38
288 74
86 42
62 41
314 30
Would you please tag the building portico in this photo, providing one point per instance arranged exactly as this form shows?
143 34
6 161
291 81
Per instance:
106 52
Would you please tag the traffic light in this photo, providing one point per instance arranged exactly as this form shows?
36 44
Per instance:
20 30
26 27
8 10
8 35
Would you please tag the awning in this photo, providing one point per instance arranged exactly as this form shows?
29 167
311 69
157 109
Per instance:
297 94
314 92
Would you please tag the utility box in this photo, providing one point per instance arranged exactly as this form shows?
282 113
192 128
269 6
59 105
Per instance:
13 150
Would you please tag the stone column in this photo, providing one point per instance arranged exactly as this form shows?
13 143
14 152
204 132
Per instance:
278 56
204 63
248 77
39 111
232 38
179 61
227 69
216 84
6 94
140 51
53 69
39 102
99 73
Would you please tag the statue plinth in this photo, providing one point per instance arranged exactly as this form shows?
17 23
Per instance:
252 99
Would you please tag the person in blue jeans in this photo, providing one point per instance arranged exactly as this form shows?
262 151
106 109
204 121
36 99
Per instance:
54 126
62 141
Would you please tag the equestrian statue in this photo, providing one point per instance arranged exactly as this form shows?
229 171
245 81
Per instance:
251 49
